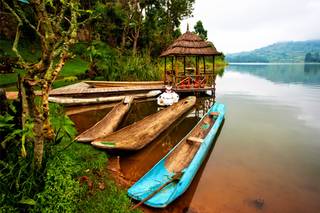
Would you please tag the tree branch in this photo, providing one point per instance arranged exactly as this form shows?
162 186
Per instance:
17 37
21 13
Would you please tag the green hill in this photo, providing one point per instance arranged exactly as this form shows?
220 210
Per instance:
282 52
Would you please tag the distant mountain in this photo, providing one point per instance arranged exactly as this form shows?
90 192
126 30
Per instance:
293 51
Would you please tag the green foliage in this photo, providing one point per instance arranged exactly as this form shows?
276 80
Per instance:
112 199
19 182
199 29
112 65
61 123
109 24
74 67
139 68
62 191
279 52
312 57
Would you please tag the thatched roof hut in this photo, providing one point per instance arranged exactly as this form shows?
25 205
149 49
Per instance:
190 44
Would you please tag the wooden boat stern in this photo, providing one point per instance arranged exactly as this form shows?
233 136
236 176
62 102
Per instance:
143 132
159 174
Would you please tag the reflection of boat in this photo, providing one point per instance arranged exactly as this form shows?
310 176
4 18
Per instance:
139 134
108 124
173 174
168 98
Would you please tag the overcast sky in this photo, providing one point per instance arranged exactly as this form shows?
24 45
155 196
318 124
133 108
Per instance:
235 26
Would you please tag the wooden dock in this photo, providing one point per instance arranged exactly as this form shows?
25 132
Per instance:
104 88
95 89
84 89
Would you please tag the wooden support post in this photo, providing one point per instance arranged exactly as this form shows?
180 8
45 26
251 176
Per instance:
213 64
204 65
184 65
172 63
176 69
165 70
197 66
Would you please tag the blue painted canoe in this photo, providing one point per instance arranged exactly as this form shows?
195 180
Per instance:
173 174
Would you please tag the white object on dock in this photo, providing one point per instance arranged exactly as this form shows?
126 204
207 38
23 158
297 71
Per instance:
168 98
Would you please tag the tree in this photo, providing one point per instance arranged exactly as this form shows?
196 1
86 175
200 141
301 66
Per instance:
312 58
55 23
308 58
199 29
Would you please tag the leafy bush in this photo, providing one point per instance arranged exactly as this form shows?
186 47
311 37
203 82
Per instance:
113 66
19 182
139 68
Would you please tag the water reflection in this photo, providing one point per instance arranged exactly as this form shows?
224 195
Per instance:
253 81
308 74
269 147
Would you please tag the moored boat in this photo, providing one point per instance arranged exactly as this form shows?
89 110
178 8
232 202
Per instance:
108 124
141 133
173 174
70 101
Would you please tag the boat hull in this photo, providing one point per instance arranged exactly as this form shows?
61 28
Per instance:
108 124
141 133
159 174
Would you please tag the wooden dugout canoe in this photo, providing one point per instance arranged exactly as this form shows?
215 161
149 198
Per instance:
173 174
108 124
97 84
69 101
139 134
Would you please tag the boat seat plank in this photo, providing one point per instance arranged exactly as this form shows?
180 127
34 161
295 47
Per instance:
127 99
195 139
214 114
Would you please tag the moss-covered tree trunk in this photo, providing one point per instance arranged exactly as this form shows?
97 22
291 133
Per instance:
56 26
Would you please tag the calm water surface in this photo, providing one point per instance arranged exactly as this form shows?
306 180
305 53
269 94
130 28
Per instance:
267 155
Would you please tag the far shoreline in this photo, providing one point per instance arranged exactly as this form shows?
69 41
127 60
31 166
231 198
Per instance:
271 63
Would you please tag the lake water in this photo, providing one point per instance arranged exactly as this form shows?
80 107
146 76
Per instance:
267 155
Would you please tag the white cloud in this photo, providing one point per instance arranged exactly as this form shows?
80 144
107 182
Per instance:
235 25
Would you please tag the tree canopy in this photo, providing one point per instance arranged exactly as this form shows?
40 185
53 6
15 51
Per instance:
199 29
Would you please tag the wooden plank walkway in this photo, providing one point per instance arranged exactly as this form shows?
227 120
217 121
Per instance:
96 89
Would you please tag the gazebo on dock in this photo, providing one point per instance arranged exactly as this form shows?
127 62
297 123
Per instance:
190 46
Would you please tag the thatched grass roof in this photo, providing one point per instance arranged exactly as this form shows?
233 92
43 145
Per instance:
190 44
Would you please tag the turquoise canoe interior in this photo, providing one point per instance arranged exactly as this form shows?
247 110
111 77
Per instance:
159 175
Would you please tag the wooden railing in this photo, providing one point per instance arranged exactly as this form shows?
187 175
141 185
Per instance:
193 81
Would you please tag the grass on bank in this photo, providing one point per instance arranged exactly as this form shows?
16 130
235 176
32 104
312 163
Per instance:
77 179
68 183
74 177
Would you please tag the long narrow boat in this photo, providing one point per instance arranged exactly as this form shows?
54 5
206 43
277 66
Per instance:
108 124
70 101
173 174
141 133
123 83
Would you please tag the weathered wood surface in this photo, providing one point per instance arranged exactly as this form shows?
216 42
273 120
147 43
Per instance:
141 133
85 108
122 83
108 124
72 110
183 154
69 101
12 95
85 91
